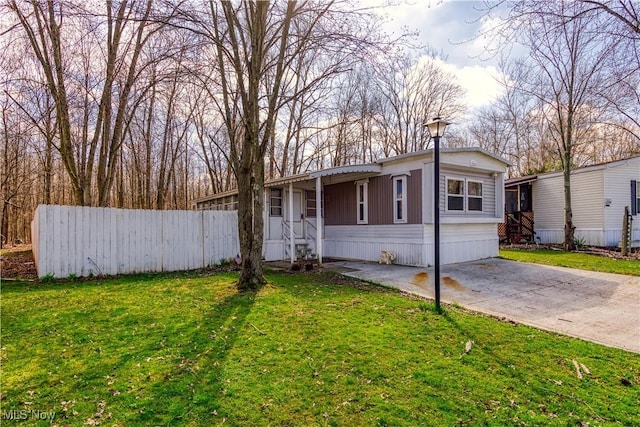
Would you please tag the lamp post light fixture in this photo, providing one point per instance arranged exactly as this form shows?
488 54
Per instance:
436 131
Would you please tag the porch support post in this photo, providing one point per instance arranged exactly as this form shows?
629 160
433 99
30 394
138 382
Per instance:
292 239
266 213
319 221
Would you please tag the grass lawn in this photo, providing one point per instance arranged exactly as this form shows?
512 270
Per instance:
574 260
308 349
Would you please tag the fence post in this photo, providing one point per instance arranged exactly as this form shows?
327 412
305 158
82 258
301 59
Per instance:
626 232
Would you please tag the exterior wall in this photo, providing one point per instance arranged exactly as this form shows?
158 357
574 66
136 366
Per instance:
596 223
464 242
413 244
488 193
548 205
617 188
587 201
81 241
365 242
275 246
341 205
273 250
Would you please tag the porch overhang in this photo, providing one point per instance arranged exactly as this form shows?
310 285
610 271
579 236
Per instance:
346 173
514 182
287 180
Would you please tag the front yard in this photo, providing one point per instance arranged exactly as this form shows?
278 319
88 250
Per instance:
582 261
308 349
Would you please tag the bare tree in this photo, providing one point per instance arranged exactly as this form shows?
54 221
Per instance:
63 37
257 44
414 91
566 58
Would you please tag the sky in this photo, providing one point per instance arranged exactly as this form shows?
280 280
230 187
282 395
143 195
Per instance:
449 26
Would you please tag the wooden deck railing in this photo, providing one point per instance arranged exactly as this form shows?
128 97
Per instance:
518 227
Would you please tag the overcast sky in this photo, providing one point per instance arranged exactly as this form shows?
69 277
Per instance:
450 26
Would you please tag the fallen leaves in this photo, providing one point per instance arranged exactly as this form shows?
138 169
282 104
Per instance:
467 347
99 416
580 367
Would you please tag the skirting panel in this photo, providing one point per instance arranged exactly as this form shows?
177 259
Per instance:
273 250
406 253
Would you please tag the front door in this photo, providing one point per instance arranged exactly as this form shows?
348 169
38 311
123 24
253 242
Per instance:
297 214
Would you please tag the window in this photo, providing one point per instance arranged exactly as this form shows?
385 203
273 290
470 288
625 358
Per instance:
460 189
474 196
400 199
455 194
362 197
276 202
310 207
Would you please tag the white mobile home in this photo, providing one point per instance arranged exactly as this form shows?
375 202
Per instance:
599 195
384 206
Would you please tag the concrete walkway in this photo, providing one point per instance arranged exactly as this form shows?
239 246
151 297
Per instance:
599 307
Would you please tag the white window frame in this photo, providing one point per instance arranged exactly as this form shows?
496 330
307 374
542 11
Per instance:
364 185
272 197
465 194
403 200
468 196
637 197
307 208
447 194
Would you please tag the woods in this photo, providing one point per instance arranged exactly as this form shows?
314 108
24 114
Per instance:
147 104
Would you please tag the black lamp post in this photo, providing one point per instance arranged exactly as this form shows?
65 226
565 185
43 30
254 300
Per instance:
436 130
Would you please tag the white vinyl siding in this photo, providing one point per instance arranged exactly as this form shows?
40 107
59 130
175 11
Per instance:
412 243
587 199
548 203
617 187
598 198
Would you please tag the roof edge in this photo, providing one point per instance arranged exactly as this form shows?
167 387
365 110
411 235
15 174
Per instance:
445 150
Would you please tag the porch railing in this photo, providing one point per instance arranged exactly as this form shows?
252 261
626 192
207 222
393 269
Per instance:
301 241
518 227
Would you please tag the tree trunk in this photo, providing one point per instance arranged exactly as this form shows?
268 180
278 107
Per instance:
569 229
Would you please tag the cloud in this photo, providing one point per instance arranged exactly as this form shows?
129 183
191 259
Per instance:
480 83
456 29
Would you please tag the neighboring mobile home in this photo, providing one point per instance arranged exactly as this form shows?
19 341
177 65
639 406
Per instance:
384 206
599 194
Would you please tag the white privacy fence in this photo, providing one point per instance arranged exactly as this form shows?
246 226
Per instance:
84 241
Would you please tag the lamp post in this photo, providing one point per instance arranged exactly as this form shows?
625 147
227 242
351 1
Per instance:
436 131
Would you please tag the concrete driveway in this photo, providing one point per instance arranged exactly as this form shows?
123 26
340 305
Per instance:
599 307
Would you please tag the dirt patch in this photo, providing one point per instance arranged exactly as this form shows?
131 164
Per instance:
453 283
17 263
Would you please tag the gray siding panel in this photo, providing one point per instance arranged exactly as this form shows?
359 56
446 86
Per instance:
414 192
380 200
341 206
